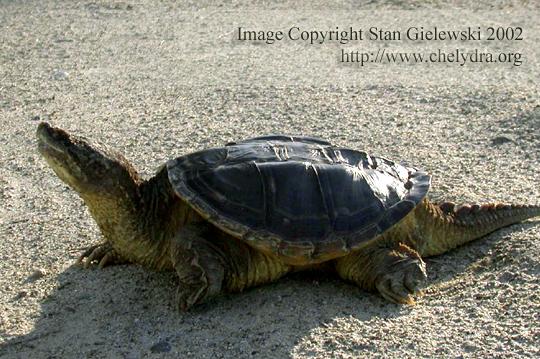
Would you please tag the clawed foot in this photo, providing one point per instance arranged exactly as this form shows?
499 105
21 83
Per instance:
103 254
199 267
193 286
188 296
403 280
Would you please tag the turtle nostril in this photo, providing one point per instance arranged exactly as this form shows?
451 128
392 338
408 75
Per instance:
44 125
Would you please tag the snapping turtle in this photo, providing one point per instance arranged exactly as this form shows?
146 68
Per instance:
247 213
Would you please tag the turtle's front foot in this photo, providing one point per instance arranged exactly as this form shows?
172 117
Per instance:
104 254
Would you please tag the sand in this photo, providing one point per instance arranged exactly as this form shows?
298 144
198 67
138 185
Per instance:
156 80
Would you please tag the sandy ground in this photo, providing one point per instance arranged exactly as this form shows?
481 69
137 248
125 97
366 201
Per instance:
157 80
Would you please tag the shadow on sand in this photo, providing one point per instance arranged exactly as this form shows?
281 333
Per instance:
126 311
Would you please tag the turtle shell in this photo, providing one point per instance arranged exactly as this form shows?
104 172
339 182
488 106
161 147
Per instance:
300 198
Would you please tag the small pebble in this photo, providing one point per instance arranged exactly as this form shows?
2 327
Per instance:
38 274
60 75
499 140
161 347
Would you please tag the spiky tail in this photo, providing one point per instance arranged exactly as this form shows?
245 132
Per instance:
444 226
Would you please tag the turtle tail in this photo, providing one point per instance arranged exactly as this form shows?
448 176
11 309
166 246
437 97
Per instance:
445 225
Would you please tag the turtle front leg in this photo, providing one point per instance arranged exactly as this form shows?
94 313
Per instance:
209 262
391 268
102 253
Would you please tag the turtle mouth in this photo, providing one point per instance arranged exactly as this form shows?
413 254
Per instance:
57 147
60 152
52 142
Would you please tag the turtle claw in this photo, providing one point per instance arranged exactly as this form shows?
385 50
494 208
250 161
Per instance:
187 296
393 293
193 284
86 254
102 253
404 281
108 258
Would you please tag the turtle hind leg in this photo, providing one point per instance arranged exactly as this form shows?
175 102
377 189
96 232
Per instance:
391 268
209 262
199 265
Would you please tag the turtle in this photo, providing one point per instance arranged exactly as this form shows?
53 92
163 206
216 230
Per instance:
249 212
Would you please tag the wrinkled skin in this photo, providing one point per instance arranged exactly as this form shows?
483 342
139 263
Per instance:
145 222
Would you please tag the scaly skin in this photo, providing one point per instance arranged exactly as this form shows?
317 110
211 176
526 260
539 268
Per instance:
391 263
209 262
446 226
145 222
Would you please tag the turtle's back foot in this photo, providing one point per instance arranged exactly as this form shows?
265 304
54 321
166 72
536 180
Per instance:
403 277
198 265
396 273
103 253
209 263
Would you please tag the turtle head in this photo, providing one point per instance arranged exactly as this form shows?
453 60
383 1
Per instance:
90 169
127 209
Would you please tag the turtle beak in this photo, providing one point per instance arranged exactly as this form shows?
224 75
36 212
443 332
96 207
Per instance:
52 140
86 167
56 146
